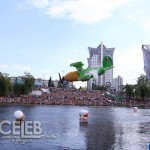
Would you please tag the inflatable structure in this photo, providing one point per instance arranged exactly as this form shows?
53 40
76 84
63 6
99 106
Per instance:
146 58
85 74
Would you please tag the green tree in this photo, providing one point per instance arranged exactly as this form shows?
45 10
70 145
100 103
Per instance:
143 86
26 86
19 89
50 82
5 85
59 85
28 82
129 90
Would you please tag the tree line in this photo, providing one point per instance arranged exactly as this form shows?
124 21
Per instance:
25 87
140 90
5 85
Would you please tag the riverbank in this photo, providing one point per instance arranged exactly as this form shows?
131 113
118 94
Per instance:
60 96
38 100
76 103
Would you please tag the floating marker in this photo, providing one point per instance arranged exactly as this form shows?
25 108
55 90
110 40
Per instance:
135 109
19 116
83 116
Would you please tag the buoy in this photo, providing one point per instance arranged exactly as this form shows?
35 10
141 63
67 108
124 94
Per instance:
83 116
19 116
135 109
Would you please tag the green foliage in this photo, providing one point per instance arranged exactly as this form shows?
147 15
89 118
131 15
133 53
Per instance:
28 82
129 90
143 86
27 86
50 82
5 85
59 85
19 89
137 92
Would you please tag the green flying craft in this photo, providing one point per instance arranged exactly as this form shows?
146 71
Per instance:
85 74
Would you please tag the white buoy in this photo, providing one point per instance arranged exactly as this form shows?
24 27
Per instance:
135 109
83 116
19 116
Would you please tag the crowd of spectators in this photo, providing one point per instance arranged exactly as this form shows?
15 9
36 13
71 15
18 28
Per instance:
63 96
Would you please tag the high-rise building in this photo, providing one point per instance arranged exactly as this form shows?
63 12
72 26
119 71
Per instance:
117 83
95 60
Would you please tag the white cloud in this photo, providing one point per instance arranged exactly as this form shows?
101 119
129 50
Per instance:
140 17
3 66
39 3
129 64
21 68
84 11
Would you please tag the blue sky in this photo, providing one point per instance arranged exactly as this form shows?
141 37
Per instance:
44 36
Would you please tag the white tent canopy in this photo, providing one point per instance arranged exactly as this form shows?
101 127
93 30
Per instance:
36 92
45 90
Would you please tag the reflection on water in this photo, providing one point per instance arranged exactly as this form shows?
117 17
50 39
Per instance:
100 132
108 128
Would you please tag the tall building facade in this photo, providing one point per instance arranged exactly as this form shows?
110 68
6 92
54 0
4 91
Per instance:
117 83
95 60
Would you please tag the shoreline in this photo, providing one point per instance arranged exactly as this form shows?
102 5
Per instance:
38 104
68 97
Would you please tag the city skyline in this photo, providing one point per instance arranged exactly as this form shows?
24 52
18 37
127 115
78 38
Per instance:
44 37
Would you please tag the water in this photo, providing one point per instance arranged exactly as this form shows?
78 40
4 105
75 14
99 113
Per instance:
108 128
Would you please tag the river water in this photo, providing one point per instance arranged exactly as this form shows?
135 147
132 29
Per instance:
108 128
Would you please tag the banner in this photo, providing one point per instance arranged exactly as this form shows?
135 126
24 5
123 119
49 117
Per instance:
146 59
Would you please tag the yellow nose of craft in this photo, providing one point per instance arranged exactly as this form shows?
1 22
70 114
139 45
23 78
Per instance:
72 76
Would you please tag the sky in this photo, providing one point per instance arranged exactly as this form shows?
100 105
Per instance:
44 36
